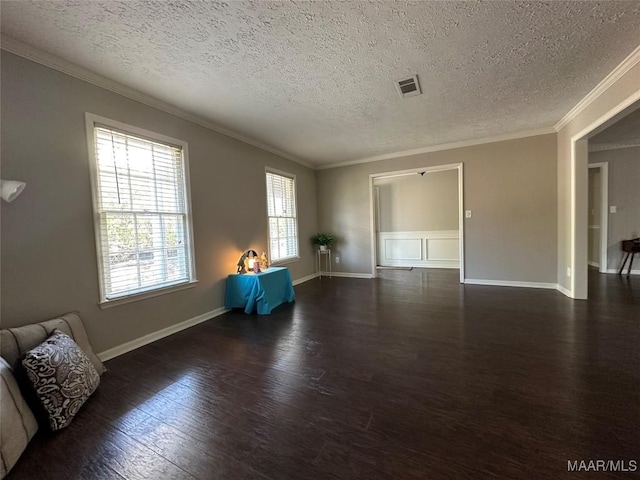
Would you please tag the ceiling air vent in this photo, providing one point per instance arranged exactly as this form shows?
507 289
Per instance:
408 87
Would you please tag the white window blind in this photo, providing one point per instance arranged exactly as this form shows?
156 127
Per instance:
283 221
143 224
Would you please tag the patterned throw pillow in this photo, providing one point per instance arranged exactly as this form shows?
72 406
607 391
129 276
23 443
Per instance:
62 377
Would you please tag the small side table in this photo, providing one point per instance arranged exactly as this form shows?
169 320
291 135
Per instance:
260 292
326 254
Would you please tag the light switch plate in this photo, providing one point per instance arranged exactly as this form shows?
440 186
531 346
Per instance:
467 214
613 209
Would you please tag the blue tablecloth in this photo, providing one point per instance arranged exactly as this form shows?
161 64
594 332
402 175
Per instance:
259 291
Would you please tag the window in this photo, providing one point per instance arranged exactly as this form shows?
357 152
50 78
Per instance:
141 207
283 220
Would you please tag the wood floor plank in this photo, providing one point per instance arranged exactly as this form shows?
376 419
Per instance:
409 375
189 453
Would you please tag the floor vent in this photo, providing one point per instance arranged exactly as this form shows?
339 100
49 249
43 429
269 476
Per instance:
408 87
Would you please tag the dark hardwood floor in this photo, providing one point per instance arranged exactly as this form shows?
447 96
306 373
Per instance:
407 376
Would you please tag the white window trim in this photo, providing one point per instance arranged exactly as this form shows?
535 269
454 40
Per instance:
282 173
90 121
284 261
148 294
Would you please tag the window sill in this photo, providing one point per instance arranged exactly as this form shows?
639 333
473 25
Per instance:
143 296
285 261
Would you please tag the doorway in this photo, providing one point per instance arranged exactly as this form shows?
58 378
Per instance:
598 205
417 218
581 144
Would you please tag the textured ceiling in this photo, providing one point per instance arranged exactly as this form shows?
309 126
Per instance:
315 79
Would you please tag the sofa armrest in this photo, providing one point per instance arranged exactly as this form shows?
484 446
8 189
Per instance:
17 423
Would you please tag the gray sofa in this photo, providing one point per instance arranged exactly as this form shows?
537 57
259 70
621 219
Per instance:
17 423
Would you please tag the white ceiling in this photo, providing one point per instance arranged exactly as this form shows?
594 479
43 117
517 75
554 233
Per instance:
315 80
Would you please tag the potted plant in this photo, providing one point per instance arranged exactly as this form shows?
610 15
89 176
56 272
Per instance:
323 240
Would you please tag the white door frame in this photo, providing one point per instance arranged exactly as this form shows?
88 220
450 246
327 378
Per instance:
604 214
399 173
579 255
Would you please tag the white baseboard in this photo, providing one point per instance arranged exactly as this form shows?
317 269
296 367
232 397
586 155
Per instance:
616 270
347 275
165 332
564 291
569 293
509 283
594 264
305 279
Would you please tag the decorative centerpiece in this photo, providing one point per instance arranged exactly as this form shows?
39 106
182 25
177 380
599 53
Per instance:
323 240
249 262
264 261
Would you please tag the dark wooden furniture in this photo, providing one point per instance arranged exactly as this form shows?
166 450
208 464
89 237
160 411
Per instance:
631 247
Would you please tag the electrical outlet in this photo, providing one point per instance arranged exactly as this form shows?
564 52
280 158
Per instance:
337 259
468 214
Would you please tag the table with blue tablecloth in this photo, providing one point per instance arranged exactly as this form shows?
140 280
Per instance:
261 292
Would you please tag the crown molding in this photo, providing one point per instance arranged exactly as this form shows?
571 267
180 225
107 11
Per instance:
627 64
601 147
443 146
49 60
18 48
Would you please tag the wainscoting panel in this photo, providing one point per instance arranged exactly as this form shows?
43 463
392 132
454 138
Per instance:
403 249
443 248
435 249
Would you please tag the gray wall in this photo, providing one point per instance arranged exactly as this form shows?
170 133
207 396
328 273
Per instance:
624 193
48 247
510 186
412 203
